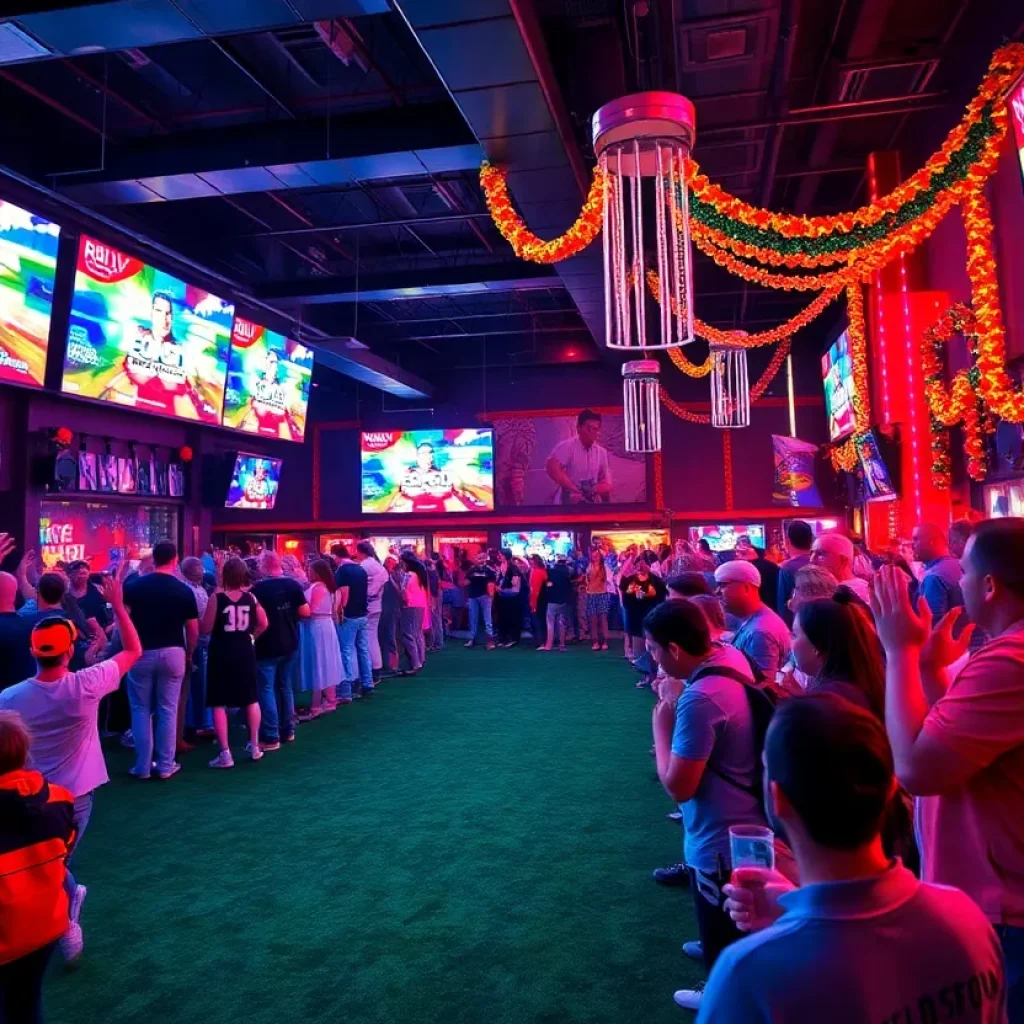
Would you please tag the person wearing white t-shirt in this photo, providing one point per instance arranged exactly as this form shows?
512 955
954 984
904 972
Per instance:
60 709
579 465
835 552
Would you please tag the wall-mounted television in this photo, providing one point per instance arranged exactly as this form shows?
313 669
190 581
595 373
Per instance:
549 545
837 375
428 471
393 545
28 263
1015 103
141 338
620 540
877 482
254 482
724 536
268 382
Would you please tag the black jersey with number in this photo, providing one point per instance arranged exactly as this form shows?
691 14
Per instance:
231 677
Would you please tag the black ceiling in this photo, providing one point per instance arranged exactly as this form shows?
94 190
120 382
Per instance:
323 153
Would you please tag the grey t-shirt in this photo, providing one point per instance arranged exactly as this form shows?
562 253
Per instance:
765 637
714 724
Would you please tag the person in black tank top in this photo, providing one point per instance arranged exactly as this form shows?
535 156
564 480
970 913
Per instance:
233 619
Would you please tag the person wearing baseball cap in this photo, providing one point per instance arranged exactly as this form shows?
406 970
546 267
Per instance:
761 635
60 709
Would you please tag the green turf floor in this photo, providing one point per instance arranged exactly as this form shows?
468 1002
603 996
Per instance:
474 845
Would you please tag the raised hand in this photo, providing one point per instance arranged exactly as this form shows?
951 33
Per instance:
7 545
110 588
941 648
899 626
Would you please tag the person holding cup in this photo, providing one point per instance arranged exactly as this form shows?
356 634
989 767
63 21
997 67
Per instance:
708 755
861 939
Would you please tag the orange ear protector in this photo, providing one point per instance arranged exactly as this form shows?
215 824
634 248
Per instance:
53 636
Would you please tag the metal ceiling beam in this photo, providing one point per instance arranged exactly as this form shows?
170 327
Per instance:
347 150
466 280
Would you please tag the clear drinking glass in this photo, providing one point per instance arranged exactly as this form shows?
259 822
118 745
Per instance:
752 846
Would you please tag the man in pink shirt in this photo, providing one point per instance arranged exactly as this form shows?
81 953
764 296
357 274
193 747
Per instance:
958 743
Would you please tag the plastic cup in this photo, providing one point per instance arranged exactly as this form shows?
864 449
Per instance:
752 846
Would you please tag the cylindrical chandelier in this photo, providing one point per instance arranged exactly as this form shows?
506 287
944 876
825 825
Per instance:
641 405
642 143
730 387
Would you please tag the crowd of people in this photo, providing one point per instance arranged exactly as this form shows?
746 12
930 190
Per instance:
867 709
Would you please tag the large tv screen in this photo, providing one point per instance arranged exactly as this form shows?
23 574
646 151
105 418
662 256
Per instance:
725 536
268 382
254 482
877 482
141 338
837 374
28 262
549 545
426 471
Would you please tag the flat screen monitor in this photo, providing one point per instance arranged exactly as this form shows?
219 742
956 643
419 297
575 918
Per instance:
139 337
1015 102
268 382
620 540
254 482
328 541
724 536
837 374
548 544
393 545
28 263
470 543
428 471
877 482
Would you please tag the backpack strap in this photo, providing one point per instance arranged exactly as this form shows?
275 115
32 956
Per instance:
738 677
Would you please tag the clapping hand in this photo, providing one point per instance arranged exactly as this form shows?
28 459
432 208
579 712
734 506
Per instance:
899 626
753 897
941 648
110 588
7 545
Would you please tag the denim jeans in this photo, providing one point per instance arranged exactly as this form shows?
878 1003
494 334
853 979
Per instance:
356 663
558 624
436 623
480 606
199 716
154 688
82 813
1012 941
277 701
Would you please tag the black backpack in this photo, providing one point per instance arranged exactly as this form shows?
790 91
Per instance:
762 703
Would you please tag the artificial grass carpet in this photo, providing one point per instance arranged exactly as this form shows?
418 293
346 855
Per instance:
472 845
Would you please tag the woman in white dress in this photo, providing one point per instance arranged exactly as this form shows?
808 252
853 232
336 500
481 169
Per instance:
322 658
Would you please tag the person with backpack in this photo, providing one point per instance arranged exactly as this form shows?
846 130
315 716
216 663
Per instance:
709 727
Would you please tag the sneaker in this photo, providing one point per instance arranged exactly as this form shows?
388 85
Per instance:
472 643
694 950
128 740
674 816
72 942
223 760
75 903
313 714
344 700
595 647
689 998
561 650
288 739
604 647
173 770
676 875
269 747
253 750
139 775
490 645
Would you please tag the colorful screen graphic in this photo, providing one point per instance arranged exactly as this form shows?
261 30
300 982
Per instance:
254 482
426 471
268 382
1016 104
547 545
724 536
877 482
837 373
556 460
142 338
393 546
619 540
28 262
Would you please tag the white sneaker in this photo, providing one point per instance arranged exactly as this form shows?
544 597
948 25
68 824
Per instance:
253 750
689 998
223 760
173 770
72 941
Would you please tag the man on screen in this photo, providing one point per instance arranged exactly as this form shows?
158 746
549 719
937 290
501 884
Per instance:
154 374
579 465
256 490
428 488
840 406
268 408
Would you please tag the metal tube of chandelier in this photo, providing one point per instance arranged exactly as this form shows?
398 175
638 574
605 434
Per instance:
730 388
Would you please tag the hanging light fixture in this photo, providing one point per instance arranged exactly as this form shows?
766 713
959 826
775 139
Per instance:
730 387
642 406
642 143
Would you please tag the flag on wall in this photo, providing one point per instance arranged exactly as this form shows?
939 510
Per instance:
794 473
